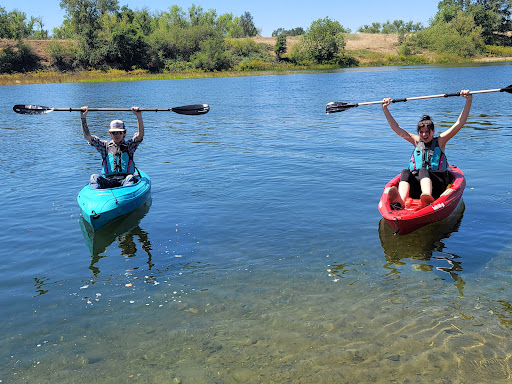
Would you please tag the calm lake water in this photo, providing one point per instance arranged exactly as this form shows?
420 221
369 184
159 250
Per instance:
261 256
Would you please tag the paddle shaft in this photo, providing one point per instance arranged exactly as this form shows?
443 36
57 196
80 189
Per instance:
430 97
341 106
194 109
111 109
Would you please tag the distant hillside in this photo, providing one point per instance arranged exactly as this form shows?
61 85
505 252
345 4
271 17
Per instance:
380 43
377 42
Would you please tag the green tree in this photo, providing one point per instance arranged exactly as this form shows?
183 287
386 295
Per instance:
494 16
65 31
37 27
280 46
128 49
396 26
448 9
173 46
461 36
247 24
85 22
374 28
199 17
324 40
144 22
13 25
176 17
292 32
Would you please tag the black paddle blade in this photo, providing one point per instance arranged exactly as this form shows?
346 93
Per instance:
31 109
195 109
339 106
507 89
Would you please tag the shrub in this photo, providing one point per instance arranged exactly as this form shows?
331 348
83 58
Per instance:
177 66
246 48
296 54
212 56
63 55
18 59
404 49
253 65
496 50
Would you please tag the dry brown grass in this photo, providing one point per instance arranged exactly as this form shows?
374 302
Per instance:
377 42
39 48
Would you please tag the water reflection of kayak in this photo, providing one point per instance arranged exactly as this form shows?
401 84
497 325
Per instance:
102 206
414 215
98 241
421 243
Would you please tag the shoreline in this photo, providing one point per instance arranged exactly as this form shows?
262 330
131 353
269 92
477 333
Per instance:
370 50
95 76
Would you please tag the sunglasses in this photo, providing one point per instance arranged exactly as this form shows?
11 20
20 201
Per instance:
117 133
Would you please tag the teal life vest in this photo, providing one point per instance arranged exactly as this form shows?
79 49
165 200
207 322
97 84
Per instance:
118 161
428 156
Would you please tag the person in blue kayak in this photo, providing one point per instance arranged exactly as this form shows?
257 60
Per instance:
427 175
118 168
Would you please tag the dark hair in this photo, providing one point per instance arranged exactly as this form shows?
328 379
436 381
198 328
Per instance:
425 120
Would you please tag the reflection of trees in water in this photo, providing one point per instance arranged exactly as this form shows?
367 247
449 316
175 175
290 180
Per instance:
125 230
421 245
40 283
128 247
504 313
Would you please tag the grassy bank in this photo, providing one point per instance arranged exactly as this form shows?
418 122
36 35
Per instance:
365 58
112 75
368 50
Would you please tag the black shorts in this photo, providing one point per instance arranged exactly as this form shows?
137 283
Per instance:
440 181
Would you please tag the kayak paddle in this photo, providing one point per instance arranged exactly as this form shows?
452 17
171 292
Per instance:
341 106
195 109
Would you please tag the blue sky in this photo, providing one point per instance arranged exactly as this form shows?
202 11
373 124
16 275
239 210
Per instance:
268 15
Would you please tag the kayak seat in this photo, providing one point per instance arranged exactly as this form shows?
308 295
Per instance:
414 202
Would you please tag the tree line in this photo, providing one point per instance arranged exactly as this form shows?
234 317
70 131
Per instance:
99 34
464 28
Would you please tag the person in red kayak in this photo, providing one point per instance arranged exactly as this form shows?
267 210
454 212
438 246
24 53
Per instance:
427 174
116 154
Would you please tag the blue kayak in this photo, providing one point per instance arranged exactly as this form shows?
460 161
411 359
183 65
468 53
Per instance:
102 206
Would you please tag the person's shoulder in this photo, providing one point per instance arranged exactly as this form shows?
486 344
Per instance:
95 140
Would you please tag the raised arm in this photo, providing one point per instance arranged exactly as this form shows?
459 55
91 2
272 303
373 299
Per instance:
85 128
411 138
463 117
140 124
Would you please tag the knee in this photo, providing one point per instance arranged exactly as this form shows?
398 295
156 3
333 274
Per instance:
423 173
94 181
129 180
405 175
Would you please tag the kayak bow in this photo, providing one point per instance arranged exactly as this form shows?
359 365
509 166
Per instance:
102 206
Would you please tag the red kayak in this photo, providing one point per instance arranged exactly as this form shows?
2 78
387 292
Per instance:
415 215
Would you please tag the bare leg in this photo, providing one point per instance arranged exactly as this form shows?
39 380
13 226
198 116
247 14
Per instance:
404 188
394 197
426 186
426 191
